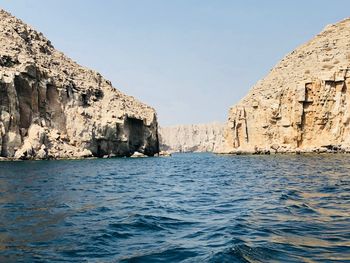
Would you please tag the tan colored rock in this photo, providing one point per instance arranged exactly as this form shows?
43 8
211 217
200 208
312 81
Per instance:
48 99
42 153
302 105
193 138
164 154
138 155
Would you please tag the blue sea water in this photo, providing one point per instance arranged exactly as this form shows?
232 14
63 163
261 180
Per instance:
185 208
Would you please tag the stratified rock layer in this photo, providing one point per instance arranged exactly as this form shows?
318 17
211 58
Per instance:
193 138
304 102
50 107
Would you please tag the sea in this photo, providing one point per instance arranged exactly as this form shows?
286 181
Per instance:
191 207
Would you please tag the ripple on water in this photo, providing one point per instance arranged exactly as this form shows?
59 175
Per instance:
187 208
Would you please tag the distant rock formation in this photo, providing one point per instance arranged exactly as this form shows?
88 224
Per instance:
50 107
303 104
192 138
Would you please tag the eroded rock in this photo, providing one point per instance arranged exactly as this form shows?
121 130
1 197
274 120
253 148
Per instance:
51 107
193 138
138 155
302 104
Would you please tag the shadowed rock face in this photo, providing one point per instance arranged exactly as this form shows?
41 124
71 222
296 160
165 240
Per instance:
303 104
50 107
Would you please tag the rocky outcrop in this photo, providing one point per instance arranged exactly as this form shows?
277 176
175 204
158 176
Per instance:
193 138
51 107
303 104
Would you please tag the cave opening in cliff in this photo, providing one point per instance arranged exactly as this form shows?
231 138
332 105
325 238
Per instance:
135 129
24 93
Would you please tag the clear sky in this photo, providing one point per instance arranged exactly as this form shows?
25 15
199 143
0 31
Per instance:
189 59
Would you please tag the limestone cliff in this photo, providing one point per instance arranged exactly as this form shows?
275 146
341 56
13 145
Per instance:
192 138
51 107
303 104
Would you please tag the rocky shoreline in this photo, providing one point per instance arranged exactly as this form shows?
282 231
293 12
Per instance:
327 149
53 108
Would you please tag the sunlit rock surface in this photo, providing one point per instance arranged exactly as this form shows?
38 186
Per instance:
51 107
303 104
193 138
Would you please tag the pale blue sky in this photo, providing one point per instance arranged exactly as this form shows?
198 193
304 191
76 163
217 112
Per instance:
189 59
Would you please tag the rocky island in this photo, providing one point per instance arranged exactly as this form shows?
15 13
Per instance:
303 104
51 107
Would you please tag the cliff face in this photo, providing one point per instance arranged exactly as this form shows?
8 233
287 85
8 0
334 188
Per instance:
192 138
303 104
50 107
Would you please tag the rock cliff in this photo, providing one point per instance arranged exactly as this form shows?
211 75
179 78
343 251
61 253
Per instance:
51 107
303 104
192 138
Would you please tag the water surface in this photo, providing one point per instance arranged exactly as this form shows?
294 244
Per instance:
187 208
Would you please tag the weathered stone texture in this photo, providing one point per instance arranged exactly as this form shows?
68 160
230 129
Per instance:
303 104
193 138
51 107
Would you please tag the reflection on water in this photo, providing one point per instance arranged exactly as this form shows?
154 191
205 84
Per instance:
187 208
